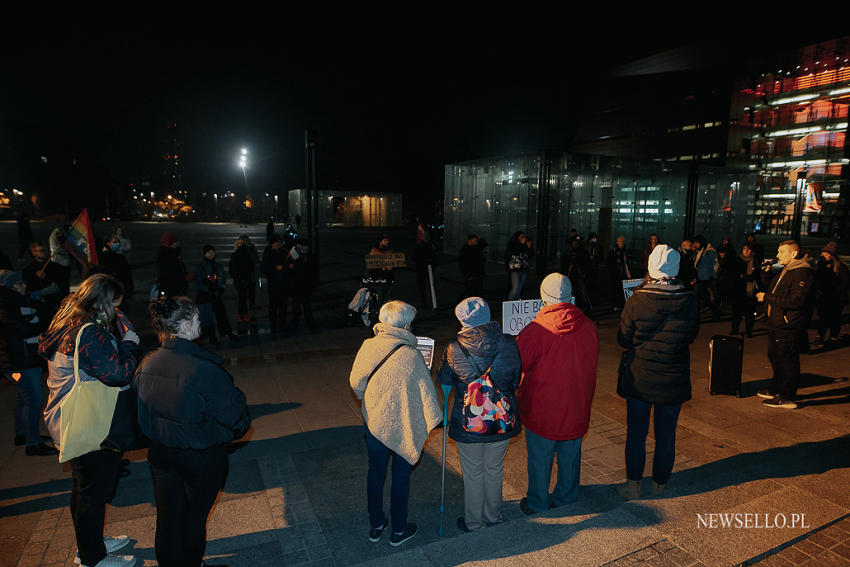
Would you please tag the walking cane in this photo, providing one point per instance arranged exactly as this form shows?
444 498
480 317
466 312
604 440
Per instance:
446 390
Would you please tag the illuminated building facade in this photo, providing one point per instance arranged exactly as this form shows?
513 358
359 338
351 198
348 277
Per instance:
791 128
349 208
679 148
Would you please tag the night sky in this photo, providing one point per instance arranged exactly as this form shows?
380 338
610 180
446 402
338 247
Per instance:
389 113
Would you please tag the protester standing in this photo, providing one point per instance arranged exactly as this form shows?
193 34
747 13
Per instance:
112 259
517 256
273 266
19 331
752 284
305 278
618 260
47 278
400 407
424 255
473 266
831 282
559 352
210 282
657 325
241 268
705 262
647 250
191 411
788 299
481 347
171 276
731 285
82 330
126 244
385 275
687 271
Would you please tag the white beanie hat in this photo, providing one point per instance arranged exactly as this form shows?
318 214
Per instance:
556 288
663 262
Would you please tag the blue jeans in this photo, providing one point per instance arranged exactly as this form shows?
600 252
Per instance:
637 423
378 455
517 283
541 455
28 405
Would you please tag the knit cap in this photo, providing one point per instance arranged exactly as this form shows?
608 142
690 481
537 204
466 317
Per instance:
663 262
472 311
556 288
168 238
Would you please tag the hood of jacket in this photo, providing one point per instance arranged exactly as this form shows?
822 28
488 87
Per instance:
561 318
797 264
483 341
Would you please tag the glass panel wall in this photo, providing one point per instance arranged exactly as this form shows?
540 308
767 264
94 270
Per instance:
610 196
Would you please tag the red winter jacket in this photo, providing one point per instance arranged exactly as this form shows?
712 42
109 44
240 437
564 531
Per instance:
559 352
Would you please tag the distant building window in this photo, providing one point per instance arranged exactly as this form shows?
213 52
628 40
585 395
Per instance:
689 127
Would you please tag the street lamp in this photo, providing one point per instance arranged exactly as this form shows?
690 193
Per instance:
243 163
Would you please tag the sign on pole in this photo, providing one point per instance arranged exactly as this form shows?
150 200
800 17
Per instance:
629 287
394 260
425 346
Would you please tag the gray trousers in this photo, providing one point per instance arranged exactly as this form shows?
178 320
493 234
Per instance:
483 466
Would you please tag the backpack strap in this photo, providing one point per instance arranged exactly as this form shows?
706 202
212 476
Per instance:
389 354
472 360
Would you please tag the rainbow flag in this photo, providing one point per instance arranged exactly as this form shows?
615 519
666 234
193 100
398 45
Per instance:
79 240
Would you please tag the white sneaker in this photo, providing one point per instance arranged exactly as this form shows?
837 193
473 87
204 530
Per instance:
116 561
112 543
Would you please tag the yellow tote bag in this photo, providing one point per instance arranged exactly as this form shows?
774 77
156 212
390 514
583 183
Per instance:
85 414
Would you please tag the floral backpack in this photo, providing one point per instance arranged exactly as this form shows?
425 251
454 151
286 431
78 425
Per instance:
486 410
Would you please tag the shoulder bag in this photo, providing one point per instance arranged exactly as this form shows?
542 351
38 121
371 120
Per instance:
85 412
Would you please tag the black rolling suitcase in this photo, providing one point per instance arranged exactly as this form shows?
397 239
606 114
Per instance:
726 357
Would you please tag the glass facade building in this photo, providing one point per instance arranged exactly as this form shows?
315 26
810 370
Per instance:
546 194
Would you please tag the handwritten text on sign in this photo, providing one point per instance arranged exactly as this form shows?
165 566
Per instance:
395 260
518 314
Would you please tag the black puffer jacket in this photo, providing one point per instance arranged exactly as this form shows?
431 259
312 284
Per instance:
490 349
186 399
789 297
658 323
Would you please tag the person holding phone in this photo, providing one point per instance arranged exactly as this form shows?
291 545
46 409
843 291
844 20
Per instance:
92 313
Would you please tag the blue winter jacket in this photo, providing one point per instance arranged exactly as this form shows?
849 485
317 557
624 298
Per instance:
489 348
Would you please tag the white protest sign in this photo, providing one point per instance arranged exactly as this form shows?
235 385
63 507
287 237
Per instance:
629 287
518 314
425 346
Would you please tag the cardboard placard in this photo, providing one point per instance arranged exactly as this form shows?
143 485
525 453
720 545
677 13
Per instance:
425 346
629 287
394 260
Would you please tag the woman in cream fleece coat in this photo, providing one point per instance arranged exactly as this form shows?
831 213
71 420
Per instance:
400 407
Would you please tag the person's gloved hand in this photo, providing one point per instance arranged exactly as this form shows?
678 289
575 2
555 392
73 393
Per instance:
131 336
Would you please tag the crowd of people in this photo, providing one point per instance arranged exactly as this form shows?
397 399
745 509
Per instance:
542 380
179 399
